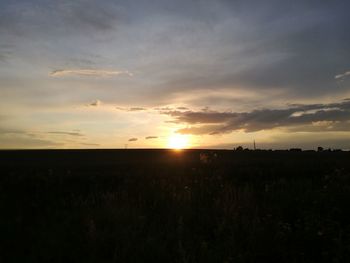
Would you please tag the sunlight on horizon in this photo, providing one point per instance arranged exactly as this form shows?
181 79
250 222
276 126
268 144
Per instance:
178 141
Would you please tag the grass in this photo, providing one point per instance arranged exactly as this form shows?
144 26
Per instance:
164 206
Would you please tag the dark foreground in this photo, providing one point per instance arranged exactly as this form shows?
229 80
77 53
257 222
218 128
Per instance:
166 206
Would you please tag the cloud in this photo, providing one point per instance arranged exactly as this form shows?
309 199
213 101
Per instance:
192 117
313 117
137 109
66 133
95 103
151 137
131 109
132 139
342 76
88 73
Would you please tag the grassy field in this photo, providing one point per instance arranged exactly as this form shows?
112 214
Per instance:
168 206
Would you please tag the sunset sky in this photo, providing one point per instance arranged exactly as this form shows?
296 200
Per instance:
159 74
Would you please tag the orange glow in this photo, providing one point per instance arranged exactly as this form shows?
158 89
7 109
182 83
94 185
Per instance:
178 141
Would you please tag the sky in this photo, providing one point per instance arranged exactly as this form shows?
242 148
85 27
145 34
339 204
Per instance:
160 74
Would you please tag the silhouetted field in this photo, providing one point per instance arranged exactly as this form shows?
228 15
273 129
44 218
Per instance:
168 206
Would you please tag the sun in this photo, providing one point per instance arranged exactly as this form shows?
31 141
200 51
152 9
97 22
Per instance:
178 142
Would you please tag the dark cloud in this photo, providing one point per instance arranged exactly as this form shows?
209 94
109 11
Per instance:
132 139
151 137
66 133
332 116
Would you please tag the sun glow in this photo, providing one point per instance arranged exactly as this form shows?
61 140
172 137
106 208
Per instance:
178 141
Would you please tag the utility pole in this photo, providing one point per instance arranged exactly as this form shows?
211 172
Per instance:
254 146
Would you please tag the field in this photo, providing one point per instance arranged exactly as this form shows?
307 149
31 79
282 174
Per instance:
174 206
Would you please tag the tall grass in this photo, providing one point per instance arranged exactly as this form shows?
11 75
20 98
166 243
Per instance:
238 208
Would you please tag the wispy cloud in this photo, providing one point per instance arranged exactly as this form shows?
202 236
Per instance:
88 72
342 76
137 109
66 133
15 139
132 139
131 109
151 137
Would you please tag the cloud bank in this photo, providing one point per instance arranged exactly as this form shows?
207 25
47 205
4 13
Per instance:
311 117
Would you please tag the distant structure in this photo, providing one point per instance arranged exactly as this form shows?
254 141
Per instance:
320 149
126 146
254 146
239 149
